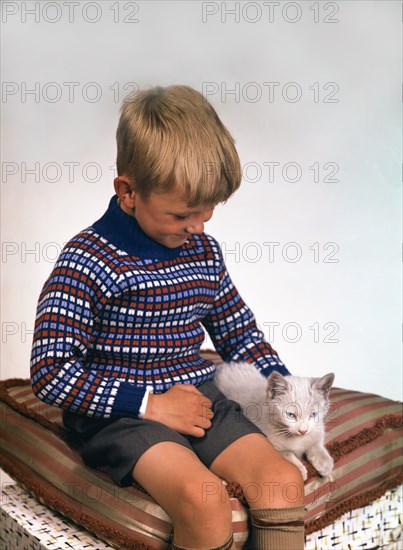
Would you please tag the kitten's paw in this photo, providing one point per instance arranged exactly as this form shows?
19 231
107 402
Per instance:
304 472
323 463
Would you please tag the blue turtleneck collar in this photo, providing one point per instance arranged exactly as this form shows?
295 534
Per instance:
125 233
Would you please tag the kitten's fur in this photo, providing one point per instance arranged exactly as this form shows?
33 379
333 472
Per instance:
288 409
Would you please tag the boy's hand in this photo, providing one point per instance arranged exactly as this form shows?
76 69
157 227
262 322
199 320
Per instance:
183 408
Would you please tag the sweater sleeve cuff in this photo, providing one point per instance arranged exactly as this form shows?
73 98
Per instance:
128 400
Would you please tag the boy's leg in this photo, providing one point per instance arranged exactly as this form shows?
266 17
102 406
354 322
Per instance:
174 476
273 487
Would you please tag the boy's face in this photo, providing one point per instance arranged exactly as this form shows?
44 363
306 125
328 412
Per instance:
166 217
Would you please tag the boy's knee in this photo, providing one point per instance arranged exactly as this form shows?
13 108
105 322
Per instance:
282 487
204 499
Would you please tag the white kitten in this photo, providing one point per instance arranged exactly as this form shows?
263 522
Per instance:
289 410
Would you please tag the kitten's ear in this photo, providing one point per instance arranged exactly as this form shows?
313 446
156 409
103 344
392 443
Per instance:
276 384
324 384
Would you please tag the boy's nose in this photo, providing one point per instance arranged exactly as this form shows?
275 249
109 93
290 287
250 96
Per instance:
195 227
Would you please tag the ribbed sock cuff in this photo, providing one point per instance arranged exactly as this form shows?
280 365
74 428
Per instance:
278 528
275 517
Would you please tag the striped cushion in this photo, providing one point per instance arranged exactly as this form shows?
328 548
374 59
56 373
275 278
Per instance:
363 436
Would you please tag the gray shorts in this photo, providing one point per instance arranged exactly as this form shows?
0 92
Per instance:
117 444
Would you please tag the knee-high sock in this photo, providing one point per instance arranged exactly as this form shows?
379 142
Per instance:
278 528
228 545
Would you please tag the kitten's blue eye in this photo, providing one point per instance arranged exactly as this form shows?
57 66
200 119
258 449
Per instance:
291 416
313 414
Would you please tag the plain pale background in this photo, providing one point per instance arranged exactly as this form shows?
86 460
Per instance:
327 292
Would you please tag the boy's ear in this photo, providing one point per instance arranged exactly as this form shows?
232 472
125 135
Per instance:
125 192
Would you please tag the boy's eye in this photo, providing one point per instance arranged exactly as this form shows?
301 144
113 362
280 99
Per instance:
181 218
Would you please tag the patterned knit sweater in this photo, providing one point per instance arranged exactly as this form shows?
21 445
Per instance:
121 312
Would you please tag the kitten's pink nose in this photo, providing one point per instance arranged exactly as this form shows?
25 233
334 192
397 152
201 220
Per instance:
303 430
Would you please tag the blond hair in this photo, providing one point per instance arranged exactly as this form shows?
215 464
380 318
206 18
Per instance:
171 138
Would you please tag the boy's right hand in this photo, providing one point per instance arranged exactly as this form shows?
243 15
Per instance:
183 408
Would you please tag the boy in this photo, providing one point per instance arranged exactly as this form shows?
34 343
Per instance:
119 329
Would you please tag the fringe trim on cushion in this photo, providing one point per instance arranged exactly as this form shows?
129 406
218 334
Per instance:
389 421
